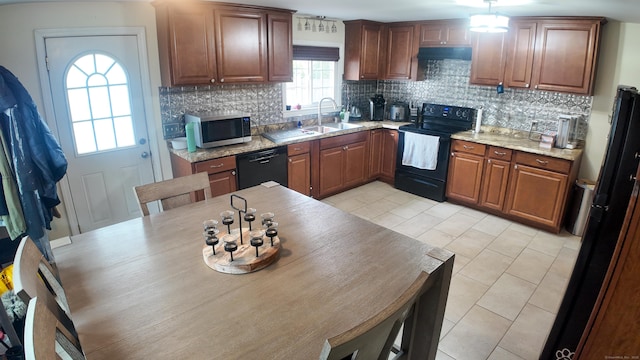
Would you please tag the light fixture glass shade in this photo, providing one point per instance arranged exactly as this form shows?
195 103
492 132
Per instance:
489 23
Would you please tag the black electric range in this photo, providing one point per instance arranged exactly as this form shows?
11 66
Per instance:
440 121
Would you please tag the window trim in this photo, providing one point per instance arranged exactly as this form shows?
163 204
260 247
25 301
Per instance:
338 81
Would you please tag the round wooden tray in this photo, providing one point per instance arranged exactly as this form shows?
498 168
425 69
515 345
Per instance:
244 259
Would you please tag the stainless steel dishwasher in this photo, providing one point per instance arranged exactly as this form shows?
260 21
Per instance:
257 167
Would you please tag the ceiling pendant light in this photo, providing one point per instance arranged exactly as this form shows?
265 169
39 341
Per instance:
489 22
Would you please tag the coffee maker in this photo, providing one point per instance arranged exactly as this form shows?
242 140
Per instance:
377 107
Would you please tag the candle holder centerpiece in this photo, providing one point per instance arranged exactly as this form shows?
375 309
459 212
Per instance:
232 257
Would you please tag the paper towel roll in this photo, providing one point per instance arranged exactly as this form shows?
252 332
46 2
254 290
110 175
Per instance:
478 120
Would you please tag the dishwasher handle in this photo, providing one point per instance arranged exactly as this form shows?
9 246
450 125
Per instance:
263 159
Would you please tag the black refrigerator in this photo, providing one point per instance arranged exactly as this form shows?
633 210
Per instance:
610 199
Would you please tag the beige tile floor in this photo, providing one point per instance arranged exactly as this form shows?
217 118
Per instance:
508 279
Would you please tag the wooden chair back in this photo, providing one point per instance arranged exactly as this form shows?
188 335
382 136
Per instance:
34 276
45 337
373 339
172 193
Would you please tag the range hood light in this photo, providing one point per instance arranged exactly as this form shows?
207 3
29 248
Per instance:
489 22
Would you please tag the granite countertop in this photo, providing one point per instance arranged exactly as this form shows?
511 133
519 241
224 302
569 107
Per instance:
259 142
516 140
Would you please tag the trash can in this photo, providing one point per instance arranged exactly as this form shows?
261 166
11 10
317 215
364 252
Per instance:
578 211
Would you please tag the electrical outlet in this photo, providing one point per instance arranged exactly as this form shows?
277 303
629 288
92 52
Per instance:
172 130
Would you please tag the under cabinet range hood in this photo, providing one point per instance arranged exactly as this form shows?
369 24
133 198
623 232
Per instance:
440 53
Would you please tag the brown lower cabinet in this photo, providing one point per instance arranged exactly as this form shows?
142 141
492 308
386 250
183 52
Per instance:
383 144
222 173
299 167
389 154
521 186
342 162
465 171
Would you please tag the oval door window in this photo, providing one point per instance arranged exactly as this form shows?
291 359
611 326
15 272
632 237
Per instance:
99 104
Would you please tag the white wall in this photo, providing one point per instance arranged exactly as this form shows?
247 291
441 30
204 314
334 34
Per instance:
618 65
18 54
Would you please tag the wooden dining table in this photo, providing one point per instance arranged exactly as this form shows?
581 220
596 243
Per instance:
140 289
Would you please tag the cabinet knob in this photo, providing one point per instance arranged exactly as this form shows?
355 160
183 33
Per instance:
290 161
233 173
394 135
213 80
221 80
526 85
489 161
535 87
453 154
636 155
515 167
345 148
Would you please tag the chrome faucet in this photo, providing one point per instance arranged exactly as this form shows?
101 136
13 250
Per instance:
335 107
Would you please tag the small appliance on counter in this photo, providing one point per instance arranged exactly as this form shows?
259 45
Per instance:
399 112
355 114
378 107
567 131
213 129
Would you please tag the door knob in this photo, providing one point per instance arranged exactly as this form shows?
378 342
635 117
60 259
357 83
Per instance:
144 155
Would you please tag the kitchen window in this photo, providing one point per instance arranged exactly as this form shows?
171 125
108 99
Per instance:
316 75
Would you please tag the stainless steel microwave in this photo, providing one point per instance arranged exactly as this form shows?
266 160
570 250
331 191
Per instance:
220 128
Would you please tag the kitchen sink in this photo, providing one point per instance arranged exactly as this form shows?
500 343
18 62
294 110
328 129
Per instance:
309 131
330 127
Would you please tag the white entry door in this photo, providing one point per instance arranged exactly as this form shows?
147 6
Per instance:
97 98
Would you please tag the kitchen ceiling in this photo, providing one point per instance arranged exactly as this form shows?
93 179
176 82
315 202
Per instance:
401 10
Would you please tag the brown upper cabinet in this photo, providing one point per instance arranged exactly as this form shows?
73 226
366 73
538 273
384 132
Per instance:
445 33
401 62
362 48
211 43
488 57
555 54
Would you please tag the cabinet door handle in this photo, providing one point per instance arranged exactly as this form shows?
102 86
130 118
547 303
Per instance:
636 155
500 153
542 162
632 178
216 166
394 135
467 147
297 149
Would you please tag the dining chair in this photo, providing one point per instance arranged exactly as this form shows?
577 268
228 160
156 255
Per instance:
34 276
45 337
374 338
172 193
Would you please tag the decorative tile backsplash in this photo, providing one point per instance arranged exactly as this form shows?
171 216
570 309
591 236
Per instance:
262 101
447 82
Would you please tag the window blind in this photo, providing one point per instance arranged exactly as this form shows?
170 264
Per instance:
318 53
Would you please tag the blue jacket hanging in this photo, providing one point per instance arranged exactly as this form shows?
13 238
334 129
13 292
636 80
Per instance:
38 160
